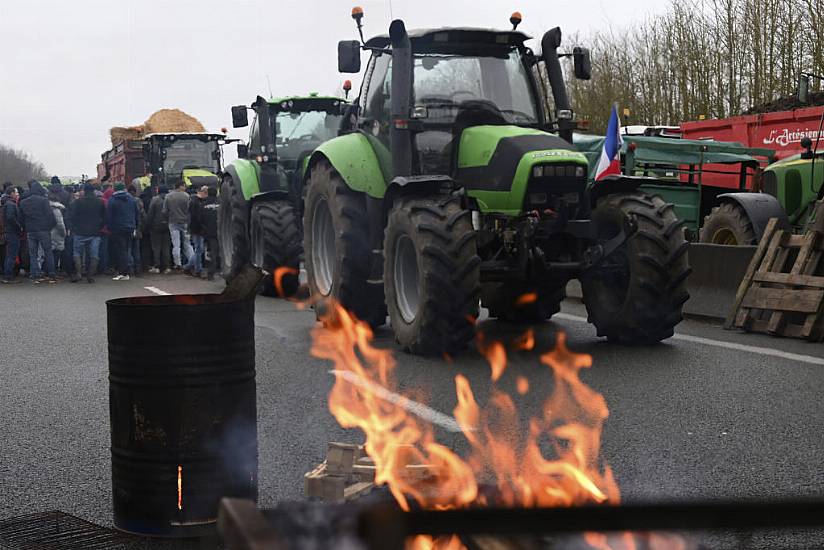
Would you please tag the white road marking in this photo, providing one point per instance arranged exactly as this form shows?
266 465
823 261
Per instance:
157 291
721 344
418 409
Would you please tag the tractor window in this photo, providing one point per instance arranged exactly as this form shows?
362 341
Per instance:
189 153
254 137
445 82
377 107
301 133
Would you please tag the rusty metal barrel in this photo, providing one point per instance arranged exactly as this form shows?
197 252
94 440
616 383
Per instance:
183 411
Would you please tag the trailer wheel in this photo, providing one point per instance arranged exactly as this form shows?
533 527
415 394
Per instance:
522 302
728 224
277 244
636 294
336 248
233 228
431 273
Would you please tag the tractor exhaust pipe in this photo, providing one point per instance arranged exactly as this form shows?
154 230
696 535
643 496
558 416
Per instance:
563 111
400 136
269 180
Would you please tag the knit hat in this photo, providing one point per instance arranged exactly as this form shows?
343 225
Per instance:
119 186
88 189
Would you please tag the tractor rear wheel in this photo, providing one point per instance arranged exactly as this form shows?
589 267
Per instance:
337 252
431 274
515 302
233 228
635 295
728 224
277 246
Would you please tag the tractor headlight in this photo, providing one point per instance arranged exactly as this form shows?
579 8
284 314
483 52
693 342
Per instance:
538 172
580 172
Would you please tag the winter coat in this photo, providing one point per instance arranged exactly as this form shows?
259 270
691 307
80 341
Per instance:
35 210
141 218
11 218
156 218
87 216
176 206
211 207
196 216
122 215
58 232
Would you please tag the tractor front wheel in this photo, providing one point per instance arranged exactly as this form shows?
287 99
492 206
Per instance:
728 224
431 274
233 228
635 295
337 252
277 246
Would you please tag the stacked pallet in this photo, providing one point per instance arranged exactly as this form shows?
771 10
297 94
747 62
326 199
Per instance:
782 292
348 473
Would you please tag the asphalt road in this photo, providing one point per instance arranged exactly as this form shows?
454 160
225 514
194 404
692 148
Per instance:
710 414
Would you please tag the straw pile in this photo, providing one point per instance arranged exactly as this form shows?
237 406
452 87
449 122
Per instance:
163 121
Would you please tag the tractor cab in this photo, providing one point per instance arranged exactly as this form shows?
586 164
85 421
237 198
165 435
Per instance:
285 131
194 158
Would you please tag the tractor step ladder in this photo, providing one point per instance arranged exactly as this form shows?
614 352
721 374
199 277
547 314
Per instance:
782 293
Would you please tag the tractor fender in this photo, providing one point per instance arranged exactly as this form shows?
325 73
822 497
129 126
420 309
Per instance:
271 196
616 184
353 157
760 208
247 174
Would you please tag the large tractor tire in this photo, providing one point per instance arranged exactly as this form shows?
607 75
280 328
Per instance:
636 294
515 302
336 248
233 228
431 274
277 245
728 224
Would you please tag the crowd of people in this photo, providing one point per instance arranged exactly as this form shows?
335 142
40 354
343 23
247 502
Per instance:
83 231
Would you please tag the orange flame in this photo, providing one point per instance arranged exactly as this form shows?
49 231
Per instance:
278 276
526 299
555 462
179 487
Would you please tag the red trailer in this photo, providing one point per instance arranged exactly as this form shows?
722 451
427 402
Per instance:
781 131
123 162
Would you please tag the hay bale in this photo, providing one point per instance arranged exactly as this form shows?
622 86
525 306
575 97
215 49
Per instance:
123 133
172 120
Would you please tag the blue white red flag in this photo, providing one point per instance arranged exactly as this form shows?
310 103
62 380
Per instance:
610 161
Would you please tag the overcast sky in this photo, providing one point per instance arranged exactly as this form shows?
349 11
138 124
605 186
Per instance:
71 69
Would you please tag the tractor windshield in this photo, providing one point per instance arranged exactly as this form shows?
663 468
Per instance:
301 132
445 84
189 153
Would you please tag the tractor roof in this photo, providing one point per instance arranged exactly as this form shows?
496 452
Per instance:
311 102
183 135
453 35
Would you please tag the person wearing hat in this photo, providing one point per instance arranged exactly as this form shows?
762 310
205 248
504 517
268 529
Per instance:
87 216
122 219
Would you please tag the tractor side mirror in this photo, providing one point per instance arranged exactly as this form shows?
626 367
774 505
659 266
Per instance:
242 151
240 118
807 145
803 88
349 56
582 63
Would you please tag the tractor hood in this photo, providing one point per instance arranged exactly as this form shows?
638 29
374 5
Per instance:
495 163
197 177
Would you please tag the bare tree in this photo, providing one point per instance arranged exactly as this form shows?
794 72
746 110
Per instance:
19 167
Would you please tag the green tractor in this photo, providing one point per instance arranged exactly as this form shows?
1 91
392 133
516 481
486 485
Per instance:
193 157
449 190
261 193
790 189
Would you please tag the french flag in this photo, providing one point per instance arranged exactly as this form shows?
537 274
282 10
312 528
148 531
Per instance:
610 162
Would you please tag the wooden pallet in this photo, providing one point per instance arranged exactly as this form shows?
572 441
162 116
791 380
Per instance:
782 292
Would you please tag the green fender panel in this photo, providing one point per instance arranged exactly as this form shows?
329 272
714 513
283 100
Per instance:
248 174
354 159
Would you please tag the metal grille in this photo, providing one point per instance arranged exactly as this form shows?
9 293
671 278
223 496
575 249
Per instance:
57 531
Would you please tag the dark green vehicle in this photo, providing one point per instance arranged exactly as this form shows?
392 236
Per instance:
261 193
450 190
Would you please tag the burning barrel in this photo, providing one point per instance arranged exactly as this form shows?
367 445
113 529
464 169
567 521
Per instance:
183 410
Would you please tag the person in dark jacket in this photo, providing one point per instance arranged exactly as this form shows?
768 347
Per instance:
195 265
56 187
13 231
87 217
135 259
122 219
38 220
211 207
158 224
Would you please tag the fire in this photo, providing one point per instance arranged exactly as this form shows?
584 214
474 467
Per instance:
179 487
526 299
278 276
555 462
